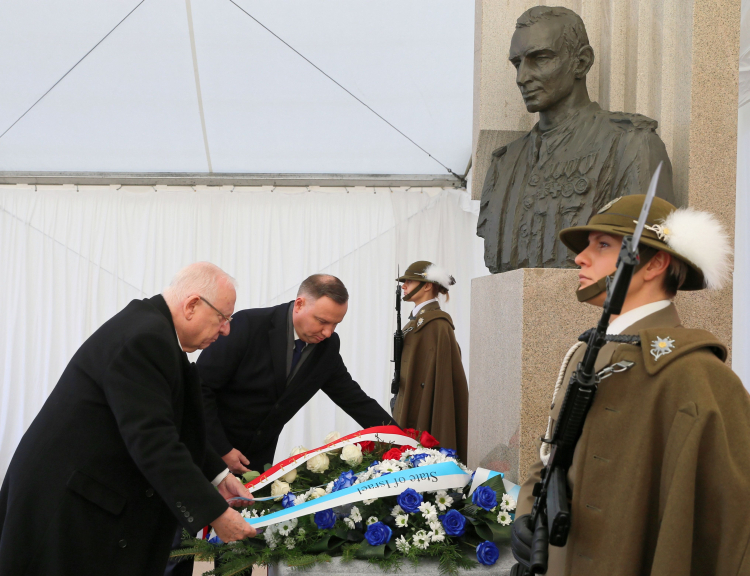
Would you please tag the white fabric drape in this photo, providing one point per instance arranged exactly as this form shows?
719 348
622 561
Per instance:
71 258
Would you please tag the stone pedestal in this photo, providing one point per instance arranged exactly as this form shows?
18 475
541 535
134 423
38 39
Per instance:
522 324
426 566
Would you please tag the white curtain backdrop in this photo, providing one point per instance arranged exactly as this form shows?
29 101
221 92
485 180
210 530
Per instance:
73 257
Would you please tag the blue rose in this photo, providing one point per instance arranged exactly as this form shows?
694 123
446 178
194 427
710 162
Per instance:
325 519
487 553
345 480
484 497
449 453
409 500
378 533
288 500
454 523
416 460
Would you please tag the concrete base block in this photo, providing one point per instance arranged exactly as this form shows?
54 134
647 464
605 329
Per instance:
522 324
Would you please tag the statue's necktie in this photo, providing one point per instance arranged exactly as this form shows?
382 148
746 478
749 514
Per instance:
299 345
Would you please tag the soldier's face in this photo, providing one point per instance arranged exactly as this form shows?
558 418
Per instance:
316 320
599 259
544 70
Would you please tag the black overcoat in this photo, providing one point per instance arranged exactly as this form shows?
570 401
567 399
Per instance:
245 393
116 456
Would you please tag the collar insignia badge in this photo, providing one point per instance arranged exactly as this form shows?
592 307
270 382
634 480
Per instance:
661 346
419 322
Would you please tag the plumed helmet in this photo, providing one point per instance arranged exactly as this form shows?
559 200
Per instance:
696 238
424 271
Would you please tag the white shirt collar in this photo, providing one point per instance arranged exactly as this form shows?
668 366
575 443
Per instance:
296 336
418 307
178 340
623 321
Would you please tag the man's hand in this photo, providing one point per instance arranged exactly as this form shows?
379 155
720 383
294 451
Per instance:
236 461
231 526
231 487
521 534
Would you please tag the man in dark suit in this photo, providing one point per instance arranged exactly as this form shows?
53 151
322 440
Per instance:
117 455
275 359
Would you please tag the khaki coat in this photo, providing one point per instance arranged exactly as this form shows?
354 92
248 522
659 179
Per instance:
661 475
433 394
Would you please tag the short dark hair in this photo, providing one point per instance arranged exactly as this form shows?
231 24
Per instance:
319 285
574 30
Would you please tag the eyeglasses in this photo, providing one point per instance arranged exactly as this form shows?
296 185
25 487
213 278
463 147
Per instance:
226 320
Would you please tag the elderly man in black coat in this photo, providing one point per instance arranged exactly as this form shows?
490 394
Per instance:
116 459
275 359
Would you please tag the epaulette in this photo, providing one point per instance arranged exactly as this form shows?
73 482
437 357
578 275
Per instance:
426 316
499 151
638 121
662 346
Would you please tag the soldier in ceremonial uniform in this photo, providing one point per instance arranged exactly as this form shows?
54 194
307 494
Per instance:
433 394
660 479
576 159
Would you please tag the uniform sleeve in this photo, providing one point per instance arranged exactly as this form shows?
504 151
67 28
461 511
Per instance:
139 386
347 394
217 366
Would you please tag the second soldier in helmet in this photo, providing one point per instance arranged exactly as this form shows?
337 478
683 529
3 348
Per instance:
433 394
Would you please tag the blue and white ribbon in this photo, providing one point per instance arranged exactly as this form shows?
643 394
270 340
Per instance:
481 475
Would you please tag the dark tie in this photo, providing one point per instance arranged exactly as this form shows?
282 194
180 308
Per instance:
299 345
411 317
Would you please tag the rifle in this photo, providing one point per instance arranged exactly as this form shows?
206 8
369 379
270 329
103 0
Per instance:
551 513
398 346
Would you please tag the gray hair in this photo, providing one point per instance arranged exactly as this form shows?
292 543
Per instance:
202 278
319 285
574 31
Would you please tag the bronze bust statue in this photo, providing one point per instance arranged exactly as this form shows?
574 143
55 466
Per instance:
574 161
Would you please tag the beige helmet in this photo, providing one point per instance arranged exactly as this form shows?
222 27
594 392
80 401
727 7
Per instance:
694 237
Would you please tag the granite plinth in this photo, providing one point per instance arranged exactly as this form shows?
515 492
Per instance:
522 324
426 566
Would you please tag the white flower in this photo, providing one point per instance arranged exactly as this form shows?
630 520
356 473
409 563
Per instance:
355 514
279 488
503 518
442 500
402 545
329 487
332 437
372 520
297 450
301 533
437 534
314 493
352 454
389 466
290 476
508 504
286 527
428 510
397 510
421 540
368 502
290 543
349 523
300 499
270 537
318 464
402 520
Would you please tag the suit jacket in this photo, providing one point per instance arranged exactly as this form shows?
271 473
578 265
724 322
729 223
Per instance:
116 456
245 392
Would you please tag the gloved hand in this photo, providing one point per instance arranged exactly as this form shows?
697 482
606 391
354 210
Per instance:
521 534
516 570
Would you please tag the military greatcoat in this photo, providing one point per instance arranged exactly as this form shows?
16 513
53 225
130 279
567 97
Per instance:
433 394
661 475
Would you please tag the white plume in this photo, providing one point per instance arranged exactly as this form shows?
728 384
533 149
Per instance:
700 237
435 273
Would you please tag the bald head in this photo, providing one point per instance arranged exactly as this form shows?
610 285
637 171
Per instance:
201 298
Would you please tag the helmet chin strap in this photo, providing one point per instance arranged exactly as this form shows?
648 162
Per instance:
592 291
411 294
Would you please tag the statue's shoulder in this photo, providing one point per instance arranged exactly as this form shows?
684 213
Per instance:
630 121
499 151
513 148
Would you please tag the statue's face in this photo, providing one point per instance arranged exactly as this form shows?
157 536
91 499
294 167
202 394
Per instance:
545 71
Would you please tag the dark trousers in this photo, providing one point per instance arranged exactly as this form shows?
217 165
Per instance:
182 568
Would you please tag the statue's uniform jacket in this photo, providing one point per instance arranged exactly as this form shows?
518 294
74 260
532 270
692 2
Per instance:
661 475
546 181
433 394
